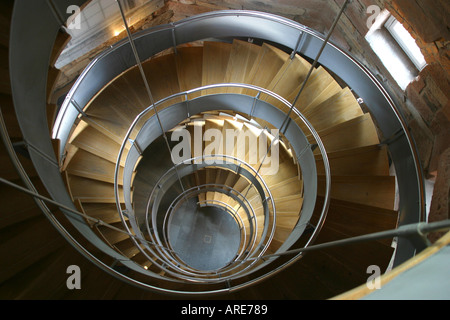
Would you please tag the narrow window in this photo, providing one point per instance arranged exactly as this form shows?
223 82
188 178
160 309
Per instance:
406 42
396 48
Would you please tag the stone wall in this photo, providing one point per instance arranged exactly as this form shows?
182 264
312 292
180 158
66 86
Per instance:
428 22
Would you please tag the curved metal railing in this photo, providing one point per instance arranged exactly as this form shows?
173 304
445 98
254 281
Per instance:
300 39
151 223
369 88
236 195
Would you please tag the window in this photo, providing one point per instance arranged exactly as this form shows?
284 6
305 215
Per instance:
396 48
406 42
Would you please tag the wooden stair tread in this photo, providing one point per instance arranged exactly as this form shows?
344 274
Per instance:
287 188
88 190
320 87
106 212
354 219
376 191
27 250
357 132
189 68
288 79
99 144
242 58
355 256
215 62
112 236
364 161
113 129
88 165
268 62
162 77
339 108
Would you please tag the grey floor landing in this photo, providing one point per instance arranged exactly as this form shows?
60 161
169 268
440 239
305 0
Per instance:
205 238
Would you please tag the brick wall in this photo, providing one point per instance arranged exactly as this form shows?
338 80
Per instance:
427 21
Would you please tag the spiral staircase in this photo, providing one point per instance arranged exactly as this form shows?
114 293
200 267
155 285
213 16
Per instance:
235 214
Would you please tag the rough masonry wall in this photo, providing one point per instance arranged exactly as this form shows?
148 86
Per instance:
428 22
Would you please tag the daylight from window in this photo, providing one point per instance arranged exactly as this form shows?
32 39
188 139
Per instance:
407 42
393 44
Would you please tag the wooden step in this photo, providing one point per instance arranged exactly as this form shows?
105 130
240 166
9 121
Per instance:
267 65
92 191
114 130
162 77
46 278
289 204
127 248
358 132
197 144
287 188
95 283
242 58
339 108
364 161
215 63
376 191
111 236
286 170
231 179
320 87
16 206
189 68
212 138
292 73
220 180
230 132
112 104
133 90
70 152
355 257
106 212
99 144
284 227
200 180
354 219
331 276
88 165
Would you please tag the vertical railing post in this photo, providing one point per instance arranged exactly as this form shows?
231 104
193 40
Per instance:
147 87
